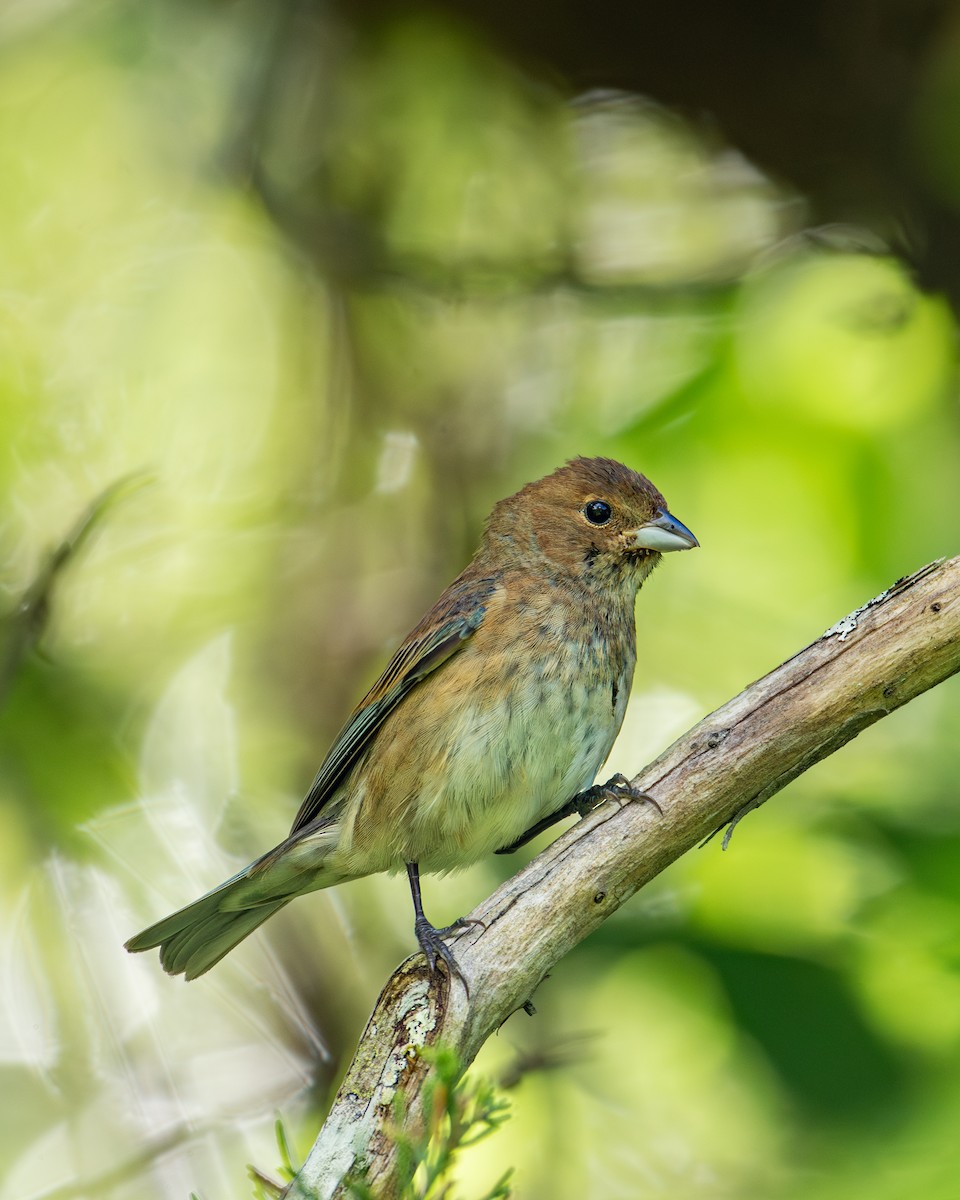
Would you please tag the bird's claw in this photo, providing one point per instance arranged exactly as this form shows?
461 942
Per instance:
618 788
431 941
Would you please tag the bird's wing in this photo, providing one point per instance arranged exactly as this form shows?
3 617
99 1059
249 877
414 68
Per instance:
443 631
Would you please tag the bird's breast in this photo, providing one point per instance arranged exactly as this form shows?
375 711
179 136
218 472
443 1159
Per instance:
509 729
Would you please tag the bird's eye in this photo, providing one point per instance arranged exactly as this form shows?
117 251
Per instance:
597 512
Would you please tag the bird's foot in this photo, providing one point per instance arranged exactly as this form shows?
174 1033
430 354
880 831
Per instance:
618 788
435 948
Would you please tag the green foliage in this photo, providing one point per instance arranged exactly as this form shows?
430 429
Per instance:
265 1188
461 1112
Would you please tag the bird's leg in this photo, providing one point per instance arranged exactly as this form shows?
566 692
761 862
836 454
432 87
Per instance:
618 788
429 937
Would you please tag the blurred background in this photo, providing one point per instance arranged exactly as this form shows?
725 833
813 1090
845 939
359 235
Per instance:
291 294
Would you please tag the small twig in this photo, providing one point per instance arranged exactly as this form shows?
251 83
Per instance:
22 627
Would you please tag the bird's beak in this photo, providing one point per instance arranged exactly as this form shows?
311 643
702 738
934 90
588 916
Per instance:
664 533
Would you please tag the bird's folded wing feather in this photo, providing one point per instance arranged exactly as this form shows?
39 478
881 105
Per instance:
442 632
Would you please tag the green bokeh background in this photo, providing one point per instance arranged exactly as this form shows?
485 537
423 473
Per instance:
330 312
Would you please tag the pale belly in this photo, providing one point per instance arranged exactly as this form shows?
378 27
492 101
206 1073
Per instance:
506 767
501 769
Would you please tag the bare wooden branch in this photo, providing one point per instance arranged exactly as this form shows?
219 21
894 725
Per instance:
869 664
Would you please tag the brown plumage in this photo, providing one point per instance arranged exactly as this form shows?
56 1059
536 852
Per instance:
492 717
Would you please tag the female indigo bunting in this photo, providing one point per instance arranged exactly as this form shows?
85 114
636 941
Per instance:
488 724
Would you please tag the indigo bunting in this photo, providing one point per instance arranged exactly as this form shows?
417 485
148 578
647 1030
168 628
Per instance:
488 724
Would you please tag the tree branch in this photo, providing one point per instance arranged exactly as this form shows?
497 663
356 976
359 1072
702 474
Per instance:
877 659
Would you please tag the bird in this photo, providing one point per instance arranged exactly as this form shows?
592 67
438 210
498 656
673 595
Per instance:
488 724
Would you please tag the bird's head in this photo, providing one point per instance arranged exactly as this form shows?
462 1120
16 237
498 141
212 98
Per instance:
592 517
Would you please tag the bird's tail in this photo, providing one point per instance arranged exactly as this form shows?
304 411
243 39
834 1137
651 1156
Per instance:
195 938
